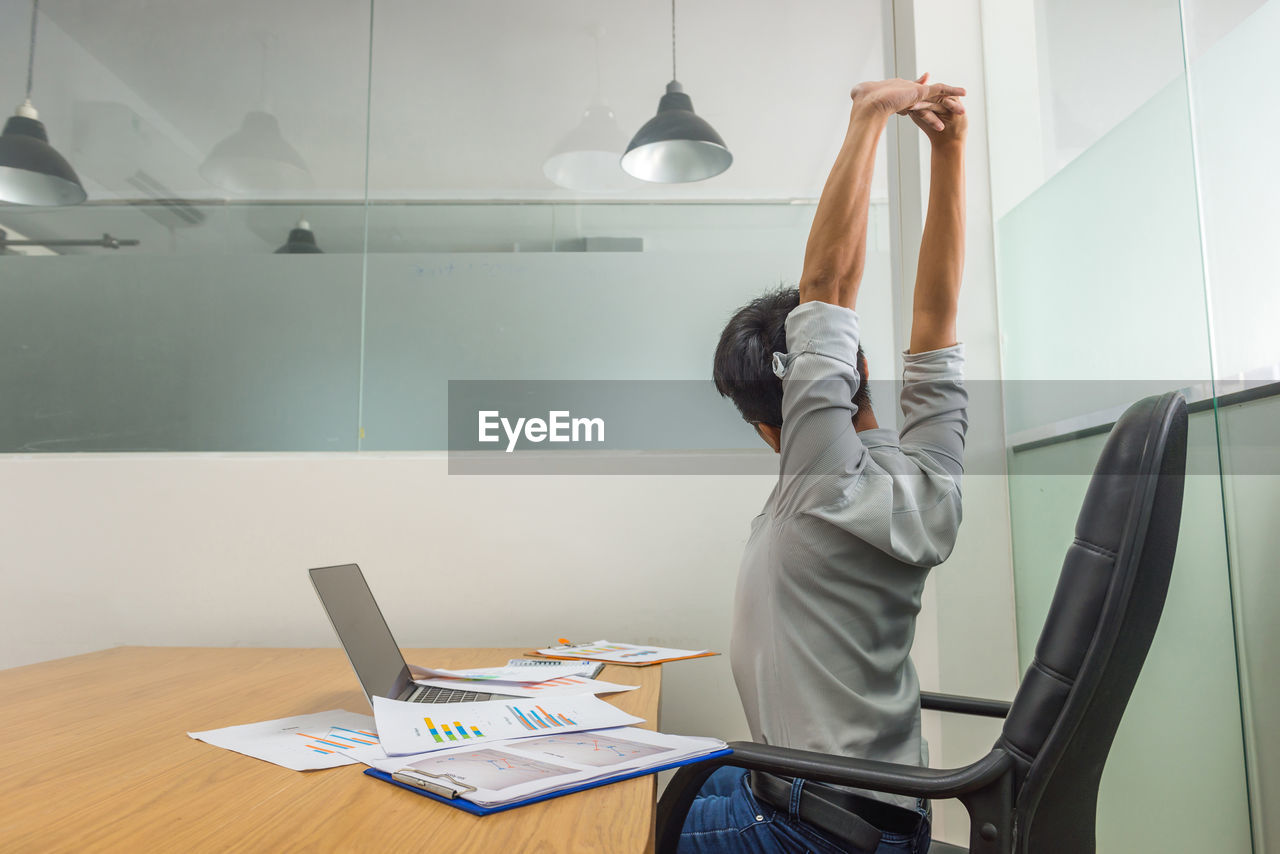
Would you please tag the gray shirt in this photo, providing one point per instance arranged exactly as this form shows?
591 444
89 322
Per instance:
830 582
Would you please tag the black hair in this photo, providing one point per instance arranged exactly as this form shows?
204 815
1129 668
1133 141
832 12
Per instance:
743 369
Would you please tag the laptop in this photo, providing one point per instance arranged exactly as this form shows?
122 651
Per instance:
373 652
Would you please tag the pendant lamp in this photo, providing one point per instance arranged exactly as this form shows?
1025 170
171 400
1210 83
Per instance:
256 157
676 146
302 240
587 158
31 171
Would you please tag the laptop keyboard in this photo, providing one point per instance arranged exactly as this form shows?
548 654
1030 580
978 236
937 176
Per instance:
433 694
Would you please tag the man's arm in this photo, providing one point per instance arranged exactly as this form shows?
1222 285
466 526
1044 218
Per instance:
836 253
941 264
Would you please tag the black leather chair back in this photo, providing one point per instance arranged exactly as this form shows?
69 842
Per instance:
1101 623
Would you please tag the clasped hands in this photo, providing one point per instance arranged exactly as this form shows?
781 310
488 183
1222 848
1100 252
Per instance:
936 108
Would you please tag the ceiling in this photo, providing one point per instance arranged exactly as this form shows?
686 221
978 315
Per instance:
465 100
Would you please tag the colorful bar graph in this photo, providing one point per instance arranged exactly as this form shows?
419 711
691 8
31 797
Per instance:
317 738
338 737
539 718
522 718
552 718
556 683
445 732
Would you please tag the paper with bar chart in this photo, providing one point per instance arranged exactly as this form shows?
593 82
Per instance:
302 743
622 653
560 686
407 728
510 771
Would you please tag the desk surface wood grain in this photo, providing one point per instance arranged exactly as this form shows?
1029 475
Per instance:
97 758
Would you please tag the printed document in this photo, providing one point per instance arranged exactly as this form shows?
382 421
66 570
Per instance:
406 728
304 742
515 770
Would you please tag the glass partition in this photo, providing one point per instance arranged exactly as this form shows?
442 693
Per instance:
317 218
1104 299
1227 45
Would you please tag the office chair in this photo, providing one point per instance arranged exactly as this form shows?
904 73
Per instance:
1036 792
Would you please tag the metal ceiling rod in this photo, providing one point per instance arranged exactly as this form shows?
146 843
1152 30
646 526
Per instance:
105 242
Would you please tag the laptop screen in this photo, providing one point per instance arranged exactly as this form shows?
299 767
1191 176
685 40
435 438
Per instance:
373 652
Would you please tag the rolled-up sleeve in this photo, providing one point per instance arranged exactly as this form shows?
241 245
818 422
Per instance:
819 379
934 408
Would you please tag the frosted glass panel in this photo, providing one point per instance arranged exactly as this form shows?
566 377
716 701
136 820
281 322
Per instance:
141 353
1177 760
651 312
1100 276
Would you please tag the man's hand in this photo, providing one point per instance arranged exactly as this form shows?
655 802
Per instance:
954 123
921 100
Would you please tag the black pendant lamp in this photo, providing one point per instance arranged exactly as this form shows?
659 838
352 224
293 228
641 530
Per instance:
31 172
302 241
676 146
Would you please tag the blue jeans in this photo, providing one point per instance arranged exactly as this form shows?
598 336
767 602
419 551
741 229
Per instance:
726 818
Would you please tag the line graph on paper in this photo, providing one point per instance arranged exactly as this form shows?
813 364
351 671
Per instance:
586 748
490 769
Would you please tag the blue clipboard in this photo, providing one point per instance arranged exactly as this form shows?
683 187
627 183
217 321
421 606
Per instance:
476 809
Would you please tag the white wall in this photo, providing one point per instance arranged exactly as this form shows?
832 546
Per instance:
209 549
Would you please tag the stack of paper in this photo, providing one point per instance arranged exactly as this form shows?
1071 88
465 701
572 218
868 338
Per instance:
502 773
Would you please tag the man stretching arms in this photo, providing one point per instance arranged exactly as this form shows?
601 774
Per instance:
830 582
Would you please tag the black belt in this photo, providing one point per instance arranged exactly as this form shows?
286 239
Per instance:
845 816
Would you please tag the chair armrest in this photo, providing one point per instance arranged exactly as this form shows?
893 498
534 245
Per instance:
964 705
838 770
871 774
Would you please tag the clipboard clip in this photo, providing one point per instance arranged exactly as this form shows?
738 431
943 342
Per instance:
564 643
429 782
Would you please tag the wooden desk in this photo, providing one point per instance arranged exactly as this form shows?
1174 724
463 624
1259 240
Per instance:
97 758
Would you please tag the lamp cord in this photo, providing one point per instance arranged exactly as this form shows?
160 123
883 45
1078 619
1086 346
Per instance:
31 51
673 39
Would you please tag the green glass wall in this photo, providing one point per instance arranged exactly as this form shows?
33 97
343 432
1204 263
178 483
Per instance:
1128 225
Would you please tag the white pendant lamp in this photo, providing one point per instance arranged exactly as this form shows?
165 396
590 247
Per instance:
586 159
257 157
